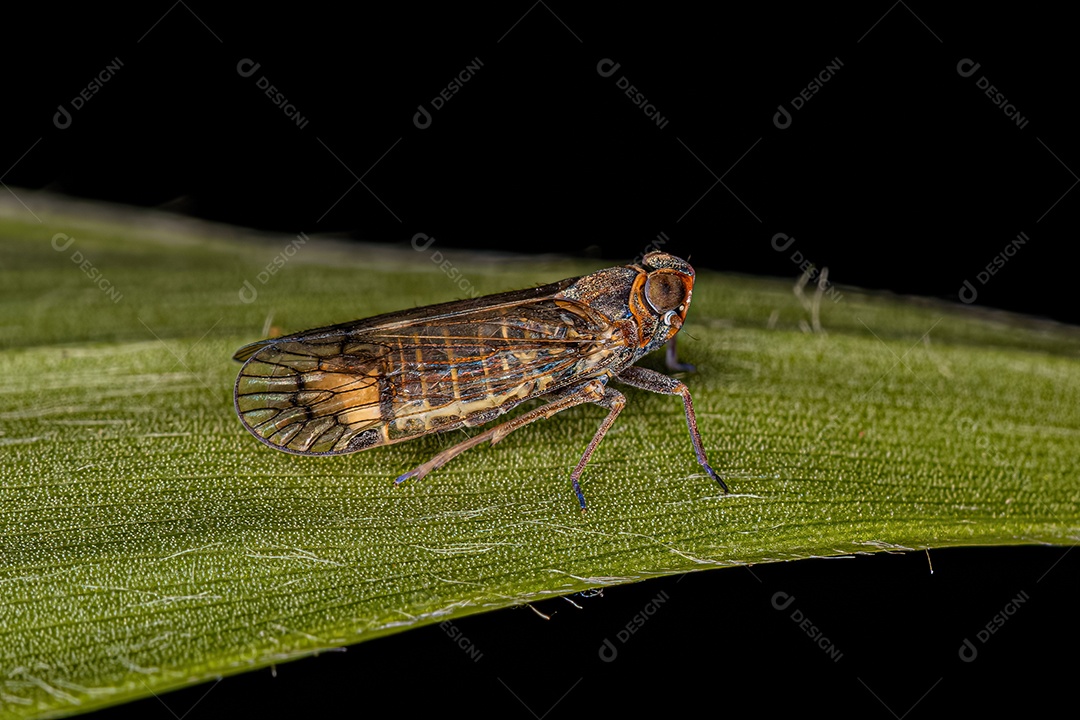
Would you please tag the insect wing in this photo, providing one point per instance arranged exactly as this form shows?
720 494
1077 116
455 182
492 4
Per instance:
310 396
379 381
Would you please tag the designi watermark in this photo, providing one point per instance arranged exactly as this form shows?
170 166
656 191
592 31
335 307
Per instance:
422 117
608 67
62 118
454 633
969 427
248 293
781 242
248 67
661 240
968 67
608 650
62 242
421 242
968 650
782 117
968 293
782 601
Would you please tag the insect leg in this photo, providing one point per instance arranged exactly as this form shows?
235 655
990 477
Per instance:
671 358
592 391
653 381
615 401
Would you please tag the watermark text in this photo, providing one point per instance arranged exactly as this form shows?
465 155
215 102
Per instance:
608 650
968 650
248 293
968 293
422 117
782 117
968 67
781 242
62 242
62 118
782 601
608 67
248 67
421 242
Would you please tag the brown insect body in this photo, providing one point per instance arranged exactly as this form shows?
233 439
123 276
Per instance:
398 376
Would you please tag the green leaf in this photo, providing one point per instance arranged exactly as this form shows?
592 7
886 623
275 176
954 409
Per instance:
148 542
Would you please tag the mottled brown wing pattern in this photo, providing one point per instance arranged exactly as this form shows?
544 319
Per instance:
354 386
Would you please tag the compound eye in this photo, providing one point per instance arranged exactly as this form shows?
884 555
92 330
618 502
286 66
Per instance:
665 291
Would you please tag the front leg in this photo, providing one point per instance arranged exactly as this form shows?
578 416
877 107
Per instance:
653 381
671 358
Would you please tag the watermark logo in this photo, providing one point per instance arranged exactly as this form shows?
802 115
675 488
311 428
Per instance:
781 242
608 650
248 293
782 601
968 427
422 117
454 633
968 650
248 67
782 117
661 240
62 118
968 293
421 242
968 67
62 242
608 67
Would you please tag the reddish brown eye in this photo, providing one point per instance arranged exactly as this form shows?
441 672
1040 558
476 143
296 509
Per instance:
665 291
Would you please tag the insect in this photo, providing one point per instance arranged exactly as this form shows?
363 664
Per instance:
399 376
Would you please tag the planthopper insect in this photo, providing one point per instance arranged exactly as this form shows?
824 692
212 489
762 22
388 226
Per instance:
399 376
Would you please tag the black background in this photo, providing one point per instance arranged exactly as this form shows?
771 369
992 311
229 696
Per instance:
899 174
